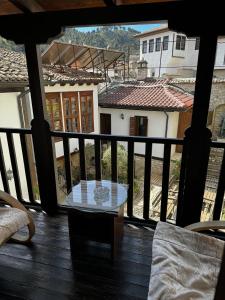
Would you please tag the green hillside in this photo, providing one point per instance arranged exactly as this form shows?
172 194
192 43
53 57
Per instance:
115 37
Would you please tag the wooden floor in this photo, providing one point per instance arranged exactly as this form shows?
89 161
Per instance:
46 270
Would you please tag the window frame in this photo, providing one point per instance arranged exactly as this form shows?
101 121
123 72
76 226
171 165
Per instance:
158 43
165 43
151 43
180 42
86 94
197 43
72 117
50 114
144 46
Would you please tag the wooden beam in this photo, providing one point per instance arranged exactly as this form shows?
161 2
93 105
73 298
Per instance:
110 2
25 6
42 142
197 138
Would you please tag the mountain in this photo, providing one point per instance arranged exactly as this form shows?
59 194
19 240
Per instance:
6 44
114 37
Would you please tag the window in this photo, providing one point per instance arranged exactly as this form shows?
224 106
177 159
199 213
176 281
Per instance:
180 42
86 106
53 107
197 43
224 59
144 47
71 111
139 126
151 45
158 44
165 42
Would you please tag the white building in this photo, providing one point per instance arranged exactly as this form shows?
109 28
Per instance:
153 109
71 104
169 53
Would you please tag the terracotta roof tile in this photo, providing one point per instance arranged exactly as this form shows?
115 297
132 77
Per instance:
13 68
154 95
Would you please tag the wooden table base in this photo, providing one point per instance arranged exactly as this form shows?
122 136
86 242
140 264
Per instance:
101 227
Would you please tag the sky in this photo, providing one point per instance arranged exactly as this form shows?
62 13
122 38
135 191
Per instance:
139 27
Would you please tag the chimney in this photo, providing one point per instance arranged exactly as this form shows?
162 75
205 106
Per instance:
142 69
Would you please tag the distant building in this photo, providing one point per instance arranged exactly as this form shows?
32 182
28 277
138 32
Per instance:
145 108
172 54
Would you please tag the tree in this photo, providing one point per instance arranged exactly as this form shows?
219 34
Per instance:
122 158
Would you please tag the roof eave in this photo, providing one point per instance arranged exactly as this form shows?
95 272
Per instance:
152 108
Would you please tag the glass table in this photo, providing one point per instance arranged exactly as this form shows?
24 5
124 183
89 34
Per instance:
95 212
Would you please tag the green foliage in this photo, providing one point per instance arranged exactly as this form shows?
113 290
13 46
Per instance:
121 166
121 163
114 37
176 169
6 44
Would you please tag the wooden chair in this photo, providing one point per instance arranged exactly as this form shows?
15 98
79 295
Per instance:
12 219
186 264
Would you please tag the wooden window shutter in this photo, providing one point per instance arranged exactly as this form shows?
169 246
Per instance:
132 126
145 121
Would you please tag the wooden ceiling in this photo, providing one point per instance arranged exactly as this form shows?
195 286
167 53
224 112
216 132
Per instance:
10 7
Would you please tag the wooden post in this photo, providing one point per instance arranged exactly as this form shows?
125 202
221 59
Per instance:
198 137
42 142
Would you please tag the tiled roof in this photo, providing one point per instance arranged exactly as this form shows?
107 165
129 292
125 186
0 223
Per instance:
13 69
192 80
155 95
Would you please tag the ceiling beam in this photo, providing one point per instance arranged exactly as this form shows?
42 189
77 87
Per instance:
110 2
27 6
40 26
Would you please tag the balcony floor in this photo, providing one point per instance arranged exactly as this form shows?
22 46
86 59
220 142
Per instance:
46 271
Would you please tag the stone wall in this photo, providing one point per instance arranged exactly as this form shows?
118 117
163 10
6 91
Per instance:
217 93
218 117
217 102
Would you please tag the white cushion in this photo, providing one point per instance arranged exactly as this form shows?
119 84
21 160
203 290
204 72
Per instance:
11 220
185 264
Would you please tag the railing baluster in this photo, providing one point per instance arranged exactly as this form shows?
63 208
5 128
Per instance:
27 167
67 162
82 159
130 176
14 165
220 192
181 187
98 172
114 160
3 171
147 179
165 181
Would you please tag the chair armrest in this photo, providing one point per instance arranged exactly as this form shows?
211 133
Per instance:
201 226
13 202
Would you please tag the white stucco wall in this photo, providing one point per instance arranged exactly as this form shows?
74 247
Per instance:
156 126
9 117
172 60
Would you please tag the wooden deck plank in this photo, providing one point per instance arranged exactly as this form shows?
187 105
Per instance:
47 271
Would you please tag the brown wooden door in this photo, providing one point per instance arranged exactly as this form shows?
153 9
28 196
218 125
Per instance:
105 123
183 123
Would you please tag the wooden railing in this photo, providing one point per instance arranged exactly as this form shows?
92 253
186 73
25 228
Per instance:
8 134
218 206
114 140
167 143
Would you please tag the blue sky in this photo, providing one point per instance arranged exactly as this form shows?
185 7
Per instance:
139 27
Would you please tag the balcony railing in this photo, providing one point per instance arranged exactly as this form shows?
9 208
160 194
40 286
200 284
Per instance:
10 134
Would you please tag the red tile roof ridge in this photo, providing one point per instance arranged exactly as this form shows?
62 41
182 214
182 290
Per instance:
173 97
